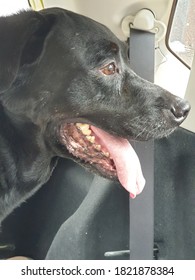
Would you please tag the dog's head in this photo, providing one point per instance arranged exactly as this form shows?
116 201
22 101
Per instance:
71 77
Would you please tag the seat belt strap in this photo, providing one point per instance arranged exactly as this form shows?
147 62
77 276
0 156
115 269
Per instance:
141 53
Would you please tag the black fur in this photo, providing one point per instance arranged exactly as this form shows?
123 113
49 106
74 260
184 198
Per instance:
50 73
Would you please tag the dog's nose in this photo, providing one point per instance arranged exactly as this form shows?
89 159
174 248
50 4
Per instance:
180 109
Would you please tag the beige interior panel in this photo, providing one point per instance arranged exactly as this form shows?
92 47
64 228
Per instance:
190 96
109 12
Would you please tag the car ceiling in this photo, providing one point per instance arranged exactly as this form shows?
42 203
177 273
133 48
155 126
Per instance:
110 12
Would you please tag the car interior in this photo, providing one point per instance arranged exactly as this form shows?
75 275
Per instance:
93 217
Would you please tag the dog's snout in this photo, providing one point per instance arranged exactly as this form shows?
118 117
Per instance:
180 109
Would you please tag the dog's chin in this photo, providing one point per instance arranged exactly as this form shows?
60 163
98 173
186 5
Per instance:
97 169
85 149
158 133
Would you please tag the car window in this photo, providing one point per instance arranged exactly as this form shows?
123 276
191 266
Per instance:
181 39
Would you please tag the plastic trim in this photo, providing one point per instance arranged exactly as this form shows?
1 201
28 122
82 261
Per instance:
170 23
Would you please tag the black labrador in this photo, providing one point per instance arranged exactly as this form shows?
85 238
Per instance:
67 90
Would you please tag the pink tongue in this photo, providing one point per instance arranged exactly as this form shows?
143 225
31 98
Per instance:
126 161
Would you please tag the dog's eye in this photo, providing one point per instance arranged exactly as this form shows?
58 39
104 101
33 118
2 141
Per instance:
109 69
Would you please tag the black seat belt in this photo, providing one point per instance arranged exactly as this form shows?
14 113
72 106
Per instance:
141 53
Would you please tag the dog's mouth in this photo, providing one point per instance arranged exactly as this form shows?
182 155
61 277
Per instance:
113 157
82 143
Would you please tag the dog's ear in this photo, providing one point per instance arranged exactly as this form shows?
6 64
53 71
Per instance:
22 39
34 45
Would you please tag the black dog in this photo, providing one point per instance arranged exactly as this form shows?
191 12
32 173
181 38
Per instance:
67 90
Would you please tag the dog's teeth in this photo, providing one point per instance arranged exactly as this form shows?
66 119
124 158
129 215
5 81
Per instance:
106 154
98 147
86 132
84 128
82 125
91 139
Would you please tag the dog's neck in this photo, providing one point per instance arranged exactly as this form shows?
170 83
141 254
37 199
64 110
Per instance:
26 163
